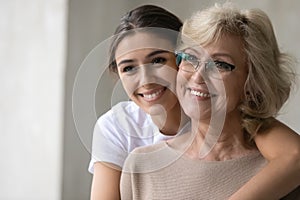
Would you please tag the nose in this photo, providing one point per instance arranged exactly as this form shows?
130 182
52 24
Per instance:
198 75
147 75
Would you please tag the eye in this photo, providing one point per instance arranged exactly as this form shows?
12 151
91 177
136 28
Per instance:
191 58
127 69
159 60
224 66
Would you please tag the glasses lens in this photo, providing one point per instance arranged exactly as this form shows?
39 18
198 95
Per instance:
185 62
190 63
212 70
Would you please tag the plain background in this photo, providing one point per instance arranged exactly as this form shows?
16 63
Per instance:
43 44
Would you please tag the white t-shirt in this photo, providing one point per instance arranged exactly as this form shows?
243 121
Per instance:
120 130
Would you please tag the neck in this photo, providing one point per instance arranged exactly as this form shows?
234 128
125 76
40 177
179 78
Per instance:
170 122
228 140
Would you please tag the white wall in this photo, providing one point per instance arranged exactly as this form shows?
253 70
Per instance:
32 65
90 22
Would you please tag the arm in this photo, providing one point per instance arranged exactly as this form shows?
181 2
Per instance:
108 155
105 185
281 147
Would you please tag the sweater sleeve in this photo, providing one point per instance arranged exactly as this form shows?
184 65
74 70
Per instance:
126 186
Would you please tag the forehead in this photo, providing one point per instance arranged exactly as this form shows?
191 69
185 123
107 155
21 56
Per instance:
143 40
230 45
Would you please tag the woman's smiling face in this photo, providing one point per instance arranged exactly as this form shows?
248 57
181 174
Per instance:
199 93
147 68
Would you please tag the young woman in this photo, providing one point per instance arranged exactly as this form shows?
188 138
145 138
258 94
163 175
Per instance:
142 53
145 62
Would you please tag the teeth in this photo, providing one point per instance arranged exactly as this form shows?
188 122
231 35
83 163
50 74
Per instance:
153 95
199 94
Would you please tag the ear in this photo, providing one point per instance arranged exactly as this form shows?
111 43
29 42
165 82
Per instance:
245 96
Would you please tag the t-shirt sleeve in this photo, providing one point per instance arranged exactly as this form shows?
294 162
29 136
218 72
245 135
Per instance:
108 142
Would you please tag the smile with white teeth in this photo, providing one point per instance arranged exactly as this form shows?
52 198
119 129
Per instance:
200 94
153 95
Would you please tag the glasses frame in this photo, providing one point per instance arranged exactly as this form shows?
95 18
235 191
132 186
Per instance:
180 55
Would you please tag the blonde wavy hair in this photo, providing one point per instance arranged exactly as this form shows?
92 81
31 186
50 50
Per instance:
271 72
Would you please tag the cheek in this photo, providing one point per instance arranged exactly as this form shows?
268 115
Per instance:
167 76
129 85
181 91
234 93
180 81
166 73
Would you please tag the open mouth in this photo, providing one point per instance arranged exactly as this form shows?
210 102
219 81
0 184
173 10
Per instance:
200 93
152 95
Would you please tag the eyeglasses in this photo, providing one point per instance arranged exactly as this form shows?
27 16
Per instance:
191 63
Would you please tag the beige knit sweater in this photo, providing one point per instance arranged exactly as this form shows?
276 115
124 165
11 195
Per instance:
172 176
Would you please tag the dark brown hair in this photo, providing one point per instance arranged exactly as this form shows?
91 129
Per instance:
142 17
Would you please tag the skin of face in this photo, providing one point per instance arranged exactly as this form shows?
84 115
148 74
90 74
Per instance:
147 70
189 85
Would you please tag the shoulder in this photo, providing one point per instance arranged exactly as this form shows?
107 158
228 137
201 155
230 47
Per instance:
126 111
149 148
277 130
277 126
149 158
124 124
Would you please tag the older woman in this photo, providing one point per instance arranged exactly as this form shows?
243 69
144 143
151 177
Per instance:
232 81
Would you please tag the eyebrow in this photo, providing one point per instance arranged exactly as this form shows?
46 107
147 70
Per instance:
197 53
125 61
221 55
153 53
157 52
191 49
213 55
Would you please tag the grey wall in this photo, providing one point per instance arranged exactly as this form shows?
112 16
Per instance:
92 22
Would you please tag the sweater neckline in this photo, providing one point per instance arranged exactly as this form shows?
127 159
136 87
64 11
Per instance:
250 155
